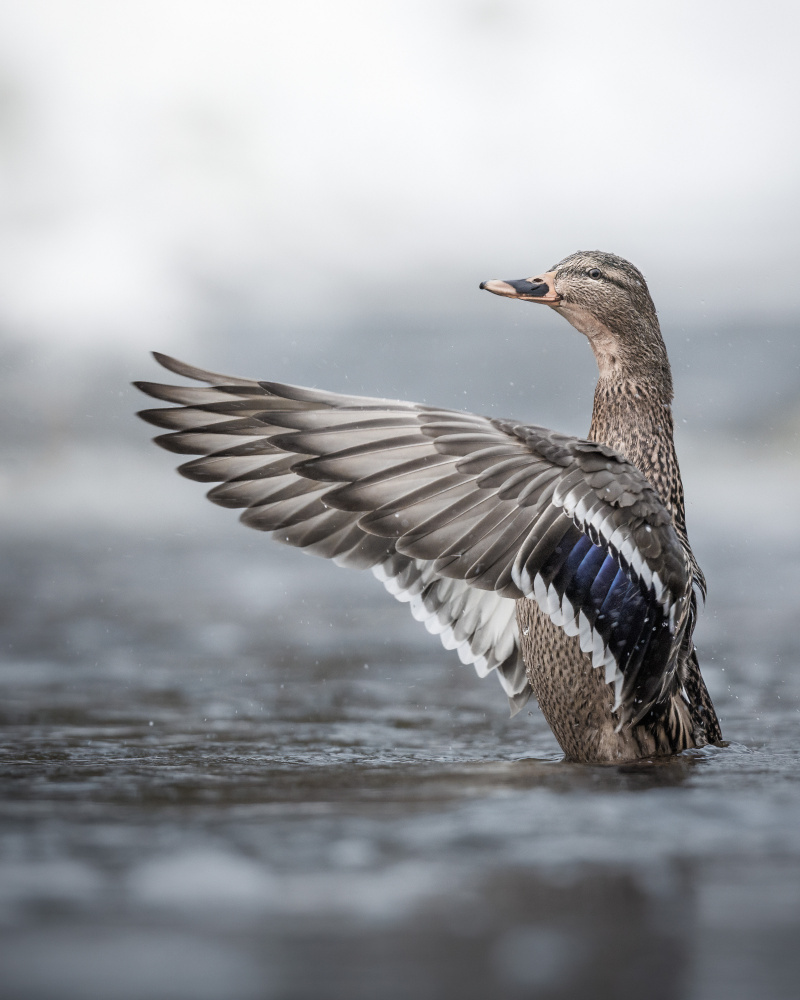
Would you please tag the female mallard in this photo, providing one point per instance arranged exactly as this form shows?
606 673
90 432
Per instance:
561 564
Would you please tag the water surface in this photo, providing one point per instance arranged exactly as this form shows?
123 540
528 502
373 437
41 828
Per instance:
229 770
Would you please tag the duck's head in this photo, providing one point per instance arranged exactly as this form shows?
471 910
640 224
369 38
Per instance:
606 298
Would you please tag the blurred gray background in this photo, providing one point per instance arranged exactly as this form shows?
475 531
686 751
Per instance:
231 770
312 192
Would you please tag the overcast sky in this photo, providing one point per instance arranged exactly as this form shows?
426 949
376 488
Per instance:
293 159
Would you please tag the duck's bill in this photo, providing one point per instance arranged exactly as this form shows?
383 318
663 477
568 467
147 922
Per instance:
539 289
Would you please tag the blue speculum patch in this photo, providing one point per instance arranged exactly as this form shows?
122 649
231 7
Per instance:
625 614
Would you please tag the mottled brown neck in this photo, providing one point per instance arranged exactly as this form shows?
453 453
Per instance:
636 419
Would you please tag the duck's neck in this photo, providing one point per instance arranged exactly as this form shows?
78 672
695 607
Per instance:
635 417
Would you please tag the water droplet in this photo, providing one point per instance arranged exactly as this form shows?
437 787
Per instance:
526 630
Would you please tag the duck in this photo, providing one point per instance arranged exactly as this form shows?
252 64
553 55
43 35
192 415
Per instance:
560 564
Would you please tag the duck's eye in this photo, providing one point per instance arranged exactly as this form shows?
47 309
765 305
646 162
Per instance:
594 272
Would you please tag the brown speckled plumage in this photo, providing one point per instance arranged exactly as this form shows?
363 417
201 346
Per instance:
632 413
559 564
573 695
577 702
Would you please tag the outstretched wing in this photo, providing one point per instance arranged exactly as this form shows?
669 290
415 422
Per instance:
226 425
459 514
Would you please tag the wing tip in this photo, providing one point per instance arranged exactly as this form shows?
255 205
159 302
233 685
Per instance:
198 374
172 364
517 702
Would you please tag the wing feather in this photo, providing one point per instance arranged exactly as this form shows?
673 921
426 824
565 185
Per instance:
458 515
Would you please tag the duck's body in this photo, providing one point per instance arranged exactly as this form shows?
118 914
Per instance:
574 696
561 564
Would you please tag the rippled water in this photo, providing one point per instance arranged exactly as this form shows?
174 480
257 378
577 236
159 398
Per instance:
232 771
